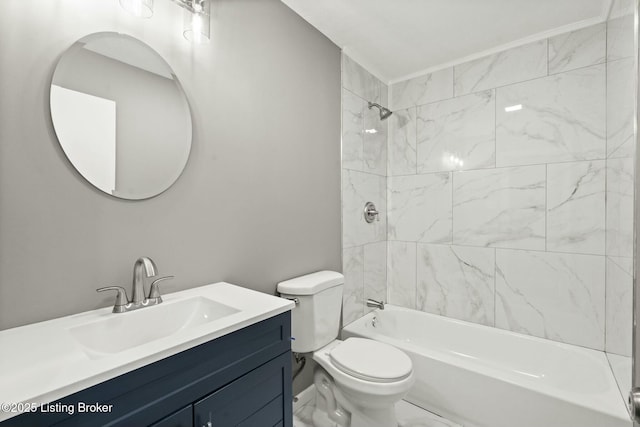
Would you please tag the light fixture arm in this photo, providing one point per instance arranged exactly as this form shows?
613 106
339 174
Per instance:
197 16
189 5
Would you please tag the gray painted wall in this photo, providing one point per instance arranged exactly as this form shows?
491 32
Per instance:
259 201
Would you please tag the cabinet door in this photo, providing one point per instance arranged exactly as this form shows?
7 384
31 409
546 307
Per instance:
182 418
258 399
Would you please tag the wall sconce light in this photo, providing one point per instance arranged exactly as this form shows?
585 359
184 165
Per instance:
197 16
197 21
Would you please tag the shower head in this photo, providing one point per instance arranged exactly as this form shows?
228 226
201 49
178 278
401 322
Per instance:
384 112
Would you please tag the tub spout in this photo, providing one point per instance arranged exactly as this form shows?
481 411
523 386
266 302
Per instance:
376 304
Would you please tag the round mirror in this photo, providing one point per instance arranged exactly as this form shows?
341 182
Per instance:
120 115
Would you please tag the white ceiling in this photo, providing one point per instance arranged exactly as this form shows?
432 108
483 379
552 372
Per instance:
396 39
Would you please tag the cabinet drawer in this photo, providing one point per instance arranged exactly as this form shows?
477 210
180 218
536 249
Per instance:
256 399
182 418
269 414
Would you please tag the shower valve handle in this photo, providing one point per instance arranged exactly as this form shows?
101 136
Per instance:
371 213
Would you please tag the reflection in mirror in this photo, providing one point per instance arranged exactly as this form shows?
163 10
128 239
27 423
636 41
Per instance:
120 115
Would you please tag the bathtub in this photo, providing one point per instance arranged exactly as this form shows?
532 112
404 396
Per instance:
486 377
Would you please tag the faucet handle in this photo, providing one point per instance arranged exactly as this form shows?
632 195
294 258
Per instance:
154 291
121 297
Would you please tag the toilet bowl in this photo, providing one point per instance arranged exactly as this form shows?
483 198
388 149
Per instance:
358 380
369 378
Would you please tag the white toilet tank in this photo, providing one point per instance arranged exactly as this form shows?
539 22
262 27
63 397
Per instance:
315 320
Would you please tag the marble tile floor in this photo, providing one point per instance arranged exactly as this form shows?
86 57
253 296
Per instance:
408 415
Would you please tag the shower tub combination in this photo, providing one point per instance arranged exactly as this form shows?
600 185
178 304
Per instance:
486 377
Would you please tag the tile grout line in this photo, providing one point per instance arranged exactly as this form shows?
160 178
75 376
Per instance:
362 309
506 248
548 73
563 162
387 203
415 290
502 86
495 288
452 206
606 175
548 56
453 82
546 208
606 180
604 331
453 91
416 137
361 125
495 164
495 128
415 245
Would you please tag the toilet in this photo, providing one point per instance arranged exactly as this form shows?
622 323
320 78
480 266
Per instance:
358 380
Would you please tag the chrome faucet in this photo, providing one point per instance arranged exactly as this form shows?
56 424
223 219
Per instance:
144 267
376 304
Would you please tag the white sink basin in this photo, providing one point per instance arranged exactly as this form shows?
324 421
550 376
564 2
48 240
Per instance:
124 331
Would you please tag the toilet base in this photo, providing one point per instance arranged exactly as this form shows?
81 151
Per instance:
335 409
307 412
380 416
385 418
328 407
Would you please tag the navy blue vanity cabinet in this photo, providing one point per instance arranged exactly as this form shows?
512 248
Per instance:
241 379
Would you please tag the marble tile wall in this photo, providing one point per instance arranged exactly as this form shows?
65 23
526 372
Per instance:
515 65
364 170
510 189
563 118
578 49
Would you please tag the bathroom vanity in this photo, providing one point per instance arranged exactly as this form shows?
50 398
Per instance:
231 371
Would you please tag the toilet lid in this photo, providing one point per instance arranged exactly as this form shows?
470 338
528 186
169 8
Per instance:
371 360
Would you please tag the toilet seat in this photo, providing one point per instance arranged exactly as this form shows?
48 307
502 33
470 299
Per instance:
366 378
371 360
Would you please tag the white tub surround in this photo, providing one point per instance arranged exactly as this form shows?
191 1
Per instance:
486 377
510 188
43 362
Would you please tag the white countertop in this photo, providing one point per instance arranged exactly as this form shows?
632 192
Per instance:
42 362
